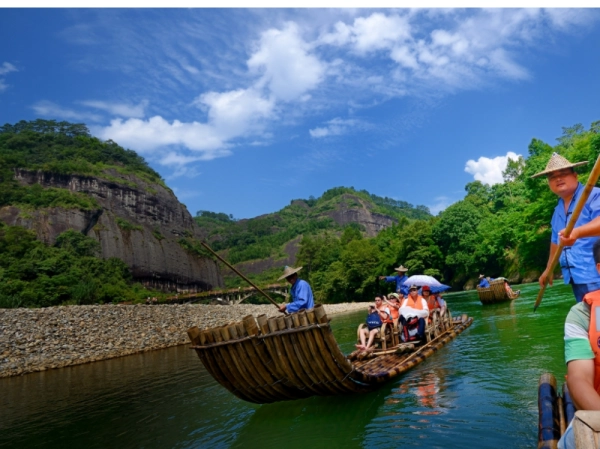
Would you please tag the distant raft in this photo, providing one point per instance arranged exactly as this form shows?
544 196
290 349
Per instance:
296 356
497 292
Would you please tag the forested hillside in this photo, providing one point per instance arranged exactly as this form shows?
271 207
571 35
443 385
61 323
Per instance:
500 230
265 236
85 221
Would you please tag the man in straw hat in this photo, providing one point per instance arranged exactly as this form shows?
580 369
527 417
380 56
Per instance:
483 282
398 279
302 297
576 259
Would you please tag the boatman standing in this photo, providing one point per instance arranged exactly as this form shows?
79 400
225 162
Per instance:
302 296
399 279
483 282
576 260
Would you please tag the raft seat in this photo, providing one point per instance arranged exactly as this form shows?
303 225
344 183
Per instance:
387 337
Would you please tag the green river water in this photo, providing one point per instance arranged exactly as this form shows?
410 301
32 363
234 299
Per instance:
479 390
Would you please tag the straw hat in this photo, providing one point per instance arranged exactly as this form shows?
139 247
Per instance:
557 162
402 269
394 295
288 271
481 276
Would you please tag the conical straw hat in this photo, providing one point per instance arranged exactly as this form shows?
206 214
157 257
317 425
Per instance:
402 269
557 162
288 271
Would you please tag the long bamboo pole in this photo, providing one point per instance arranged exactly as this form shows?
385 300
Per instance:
595 173
240 274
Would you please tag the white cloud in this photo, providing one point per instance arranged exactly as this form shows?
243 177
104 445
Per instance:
440 203
248 75
287 67
52 110
153 135
456 50
5 68
366 34
489 171
236 113
334 127
119 109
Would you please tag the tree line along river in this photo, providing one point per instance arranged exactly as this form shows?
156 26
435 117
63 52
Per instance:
479 389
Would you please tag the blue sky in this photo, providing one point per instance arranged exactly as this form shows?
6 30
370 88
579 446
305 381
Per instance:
243 110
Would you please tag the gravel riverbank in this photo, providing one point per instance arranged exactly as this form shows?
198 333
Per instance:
40 339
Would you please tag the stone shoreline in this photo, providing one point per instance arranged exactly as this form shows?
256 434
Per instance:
39 339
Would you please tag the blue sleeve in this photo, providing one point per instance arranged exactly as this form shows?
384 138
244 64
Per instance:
390 279
593 203
303 299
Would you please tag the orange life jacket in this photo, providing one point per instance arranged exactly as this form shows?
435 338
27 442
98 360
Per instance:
593 299
394 312
417 304
433 303
388 319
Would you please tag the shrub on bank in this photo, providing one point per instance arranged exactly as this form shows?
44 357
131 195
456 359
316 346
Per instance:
33 274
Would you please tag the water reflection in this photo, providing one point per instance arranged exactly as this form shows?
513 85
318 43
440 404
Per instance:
481 387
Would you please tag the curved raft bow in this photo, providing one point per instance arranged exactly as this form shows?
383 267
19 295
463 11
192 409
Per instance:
297 356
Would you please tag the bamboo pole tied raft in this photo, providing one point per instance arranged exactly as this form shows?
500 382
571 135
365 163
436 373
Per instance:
290 357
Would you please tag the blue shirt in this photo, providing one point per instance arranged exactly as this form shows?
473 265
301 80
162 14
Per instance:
484 283
577 261
302 297
399 280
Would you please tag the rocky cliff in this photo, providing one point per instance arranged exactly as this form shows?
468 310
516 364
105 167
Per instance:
353 209
136 221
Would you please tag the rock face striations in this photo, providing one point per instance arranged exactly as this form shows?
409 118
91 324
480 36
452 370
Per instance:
353 209
141 223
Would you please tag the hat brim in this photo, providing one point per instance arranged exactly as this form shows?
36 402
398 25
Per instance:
287 275
403 270
545 172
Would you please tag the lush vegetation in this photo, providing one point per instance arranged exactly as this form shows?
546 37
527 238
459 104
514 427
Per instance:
61 148
70 272
265 236
499 230
496 230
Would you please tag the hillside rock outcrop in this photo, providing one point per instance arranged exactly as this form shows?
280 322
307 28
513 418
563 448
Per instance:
136 221
353 209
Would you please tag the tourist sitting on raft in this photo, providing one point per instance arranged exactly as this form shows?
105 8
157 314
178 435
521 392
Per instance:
434 301
378 314
393 304
509 290
413 311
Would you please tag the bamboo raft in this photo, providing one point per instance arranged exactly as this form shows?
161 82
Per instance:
296 356
496 292
557 410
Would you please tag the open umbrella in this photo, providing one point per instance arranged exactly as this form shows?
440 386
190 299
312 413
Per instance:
441 288
421 280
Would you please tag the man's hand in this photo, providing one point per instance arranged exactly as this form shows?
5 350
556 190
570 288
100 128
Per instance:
567 241
545 276
282 308
381 278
